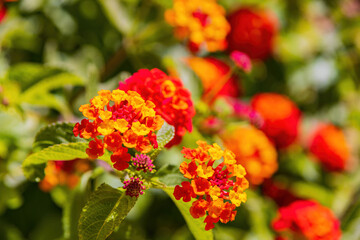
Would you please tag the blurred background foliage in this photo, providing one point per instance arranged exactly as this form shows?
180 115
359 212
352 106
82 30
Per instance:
56 54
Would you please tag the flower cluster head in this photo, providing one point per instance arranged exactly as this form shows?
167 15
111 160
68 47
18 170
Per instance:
63 173
216 78
281 118
172 101
308 219
218 185
329 146
134 187
124 119
253 150
252 32
143 162
203 22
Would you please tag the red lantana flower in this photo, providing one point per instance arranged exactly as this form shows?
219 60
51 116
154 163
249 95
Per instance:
308 219
329 146
281 117
219 187
252 32
172 100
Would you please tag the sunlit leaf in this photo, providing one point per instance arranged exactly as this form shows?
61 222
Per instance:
196 225
164 135
34 164
55 133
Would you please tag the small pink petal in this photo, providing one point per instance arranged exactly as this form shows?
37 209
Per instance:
241 60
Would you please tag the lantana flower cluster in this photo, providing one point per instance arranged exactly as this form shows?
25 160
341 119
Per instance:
308 219
134 186
118 120
172 101
217 187
201 21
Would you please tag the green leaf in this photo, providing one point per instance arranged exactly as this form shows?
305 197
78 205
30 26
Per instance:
40 93
172 179
163 136
29 73
164 3
117 15
259 221
56 133
33 166
169 175
105 210
306 190
196 225
73 207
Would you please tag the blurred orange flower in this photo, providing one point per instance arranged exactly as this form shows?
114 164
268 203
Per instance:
200 21
329 146
216 78
253 150
63 173
281 117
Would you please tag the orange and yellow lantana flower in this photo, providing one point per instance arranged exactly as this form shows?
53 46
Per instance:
217 184
124 119
201 21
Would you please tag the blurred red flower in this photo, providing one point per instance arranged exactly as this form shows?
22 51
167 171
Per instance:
329 145
172 100
308 219
2 12
278 192
252 32
280 115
